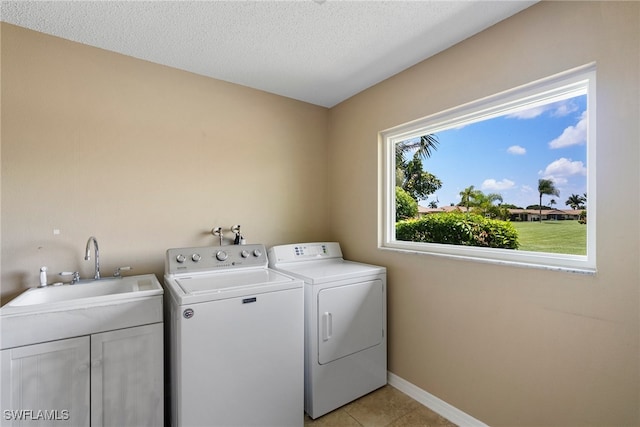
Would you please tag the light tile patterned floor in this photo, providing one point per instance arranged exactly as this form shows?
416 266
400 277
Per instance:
385 407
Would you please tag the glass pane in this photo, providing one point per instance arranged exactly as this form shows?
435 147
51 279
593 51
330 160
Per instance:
515 181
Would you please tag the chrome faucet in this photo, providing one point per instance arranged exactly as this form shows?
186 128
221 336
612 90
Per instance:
87 256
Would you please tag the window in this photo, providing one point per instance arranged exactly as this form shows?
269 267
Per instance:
506 179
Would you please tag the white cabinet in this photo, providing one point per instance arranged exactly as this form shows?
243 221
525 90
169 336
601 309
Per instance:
111 378
46 384
127 377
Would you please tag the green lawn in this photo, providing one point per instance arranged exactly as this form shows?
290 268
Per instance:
568 237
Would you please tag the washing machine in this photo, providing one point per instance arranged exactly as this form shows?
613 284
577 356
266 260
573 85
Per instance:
345 355
236 339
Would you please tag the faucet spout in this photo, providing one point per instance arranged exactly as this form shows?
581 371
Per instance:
87 256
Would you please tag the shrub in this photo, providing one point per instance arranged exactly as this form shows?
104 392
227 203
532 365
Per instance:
459 229
406 206
582 219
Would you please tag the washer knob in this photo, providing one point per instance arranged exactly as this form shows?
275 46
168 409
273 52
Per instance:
257 253
244 254
221 255
196 257
181 258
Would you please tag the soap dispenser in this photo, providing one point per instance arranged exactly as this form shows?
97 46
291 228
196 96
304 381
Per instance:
43 276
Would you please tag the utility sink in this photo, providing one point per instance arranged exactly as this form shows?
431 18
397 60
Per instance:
91 306
89 291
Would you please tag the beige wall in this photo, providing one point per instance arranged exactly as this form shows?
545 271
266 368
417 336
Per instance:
145 158
512 346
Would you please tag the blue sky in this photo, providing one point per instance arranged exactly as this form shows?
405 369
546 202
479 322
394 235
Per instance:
507 155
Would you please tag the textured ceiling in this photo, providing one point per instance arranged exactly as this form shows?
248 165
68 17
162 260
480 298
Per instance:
321 52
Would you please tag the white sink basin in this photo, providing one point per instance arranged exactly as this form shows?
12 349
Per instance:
94 290
58 312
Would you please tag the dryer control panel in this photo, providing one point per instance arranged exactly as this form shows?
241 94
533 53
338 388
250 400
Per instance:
215 258
304 252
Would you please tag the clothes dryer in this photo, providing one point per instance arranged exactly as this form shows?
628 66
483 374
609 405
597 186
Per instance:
345 323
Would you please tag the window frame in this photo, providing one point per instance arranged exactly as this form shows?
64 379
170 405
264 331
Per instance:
540 92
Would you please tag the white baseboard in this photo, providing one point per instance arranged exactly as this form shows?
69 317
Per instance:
439 406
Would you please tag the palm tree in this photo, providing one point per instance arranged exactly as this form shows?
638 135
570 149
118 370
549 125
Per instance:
494 197
546 186
466 195
484 204
425 147
409 173
576 201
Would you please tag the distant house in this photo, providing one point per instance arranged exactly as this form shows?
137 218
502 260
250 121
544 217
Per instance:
547 214
515 214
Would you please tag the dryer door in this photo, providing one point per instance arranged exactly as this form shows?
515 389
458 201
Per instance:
350 319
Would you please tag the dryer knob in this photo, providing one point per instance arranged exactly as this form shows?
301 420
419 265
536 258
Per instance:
196 257
257 253
181 258
244 254
221 255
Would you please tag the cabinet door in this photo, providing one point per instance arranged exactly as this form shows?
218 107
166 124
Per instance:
127 377
46 384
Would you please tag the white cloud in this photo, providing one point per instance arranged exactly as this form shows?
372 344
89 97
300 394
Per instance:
558 181
559 170
530 113
517 150
564 108
493 185
556 109
572 135
526 189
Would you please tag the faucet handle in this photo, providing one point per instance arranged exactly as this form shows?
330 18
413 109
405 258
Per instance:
217 231
119 270
75 276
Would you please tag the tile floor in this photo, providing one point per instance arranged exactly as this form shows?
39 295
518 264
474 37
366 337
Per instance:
385 407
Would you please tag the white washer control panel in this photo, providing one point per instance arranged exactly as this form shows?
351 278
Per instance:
213 258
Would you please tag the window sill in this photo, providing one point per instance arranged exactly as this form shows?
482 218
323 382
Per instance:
542 261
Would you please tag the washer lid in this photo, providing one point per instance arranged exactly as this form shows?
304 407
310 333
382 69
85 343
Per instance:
223 282
200 288
317 272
